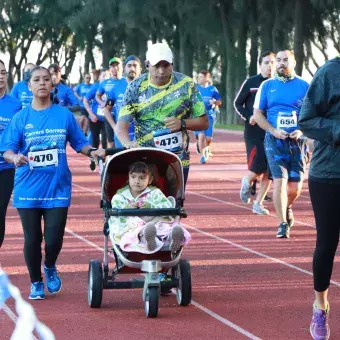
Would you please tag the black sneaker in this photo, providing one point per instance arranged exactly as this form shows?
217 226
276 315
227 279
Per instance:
253 189
197 148
283 231
290 217
267 198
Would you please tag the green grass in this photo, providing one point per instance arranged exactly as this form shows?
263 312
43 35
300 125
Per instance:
235 127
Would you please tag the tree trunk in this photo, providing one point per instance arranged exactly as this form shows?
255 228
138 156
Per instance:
254 38
299 35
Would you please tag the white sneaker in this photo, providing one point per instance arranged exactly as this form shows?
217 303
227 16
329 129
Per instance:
259 209
245 190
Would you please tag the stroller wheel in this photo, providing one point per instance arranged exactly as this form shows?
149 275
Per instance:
95 284
183 274
151 302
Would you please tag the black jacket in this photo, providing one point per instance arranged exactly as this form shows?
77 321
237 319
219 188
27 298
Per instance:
244 105
320 120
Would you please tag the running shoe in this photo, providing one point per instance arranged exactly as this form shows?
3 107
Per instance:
176 238
150 233
283 231
245 190
197 148
319 328
290 217
206 153
253 188
37 291
209 151
53 281
259 209
267 198
202 160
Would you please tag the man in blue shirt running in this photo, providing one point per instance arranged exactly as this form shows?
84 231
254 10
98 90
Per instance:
132 70
281 98
21 90
212 100
80 92
116 70
61 92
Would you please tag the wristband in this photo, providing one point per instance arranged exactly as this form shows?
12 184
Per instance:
90 150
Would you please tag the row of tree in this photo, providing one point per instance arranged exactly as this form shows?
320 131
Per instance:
222 36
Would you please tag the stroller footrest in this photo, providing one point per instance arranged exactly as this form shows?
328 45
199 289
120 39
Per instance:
136 283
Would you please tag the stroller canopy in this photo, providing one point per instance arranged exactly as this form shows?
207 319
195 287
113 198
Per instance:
166 166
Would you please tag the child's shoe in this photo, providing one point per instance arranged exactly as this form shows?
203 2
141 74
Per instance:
319 328
176 238
53 281
150 233
37 291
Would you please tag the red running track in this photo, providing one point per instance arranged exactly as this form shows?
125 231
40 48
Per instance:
246 283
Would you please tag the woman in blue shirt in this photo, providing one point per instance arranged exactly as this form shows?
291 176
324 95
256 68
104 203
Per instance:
9 106
35 142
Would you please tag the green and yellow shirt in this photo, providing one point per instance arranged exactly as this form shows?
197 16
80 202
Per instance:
148 105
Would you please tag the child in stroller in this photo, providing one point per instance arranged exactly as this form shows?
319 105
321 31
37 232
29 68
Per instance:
145 234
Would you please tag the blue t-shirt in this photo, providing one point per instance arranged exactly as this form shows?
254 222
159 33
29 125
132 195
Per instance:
82 89
48 186
66 96
106 85
282 101
91 98
208 93
9 106
22 92
116 95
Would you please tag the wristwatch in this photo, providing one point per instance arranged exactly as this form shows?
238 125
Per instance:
90 150
183 125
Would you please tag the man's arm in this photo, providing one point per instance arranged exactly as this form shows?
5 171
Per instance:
240 100
99 96
87 106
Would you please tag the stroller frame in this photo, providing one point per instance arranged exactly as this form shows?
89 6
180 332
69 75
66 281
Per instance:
99 276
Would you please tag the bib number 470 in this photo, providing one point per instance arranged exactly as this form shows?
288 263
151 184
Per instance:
42 158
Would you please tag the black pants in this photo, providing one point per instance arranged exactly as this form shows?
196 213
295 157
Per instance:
98 128
6 188
325 202
54 227
185 176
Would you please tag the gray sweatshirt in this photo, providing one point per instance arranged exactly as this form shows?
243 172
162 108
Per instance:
320 120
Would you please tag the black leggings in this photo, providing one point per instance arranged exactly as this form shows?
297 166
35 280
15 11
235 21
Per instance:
98 128
6 187
54 227
325 202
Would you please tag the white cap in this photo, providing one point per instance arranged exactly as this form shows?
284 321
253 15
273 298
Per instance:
158 52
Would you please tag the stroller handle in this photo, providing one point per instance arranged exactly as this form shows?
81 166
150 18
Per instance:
147 212
113 151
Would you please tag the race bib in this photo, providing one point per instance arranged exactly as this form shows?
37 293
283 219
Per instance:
286 120
170 142
100 111
43 158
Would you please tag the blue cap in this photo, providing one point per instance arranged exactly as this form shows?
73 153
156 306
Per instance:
132 57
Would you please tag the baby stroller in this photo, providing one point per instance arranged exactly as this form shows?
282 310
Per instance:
168 173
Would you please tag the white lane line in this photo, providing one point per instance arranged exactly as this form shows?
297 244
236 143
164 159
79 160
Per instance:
194 303
225 321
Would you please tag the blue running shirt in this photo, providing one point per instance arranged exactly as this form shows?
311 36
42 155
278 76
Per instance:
9 106
42 136
91 98
208 93
116 95
66 96
22 92
82 89
282 101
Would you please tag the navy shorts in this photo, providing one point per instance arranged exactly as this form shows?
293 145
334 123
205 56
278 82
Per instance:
286 158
